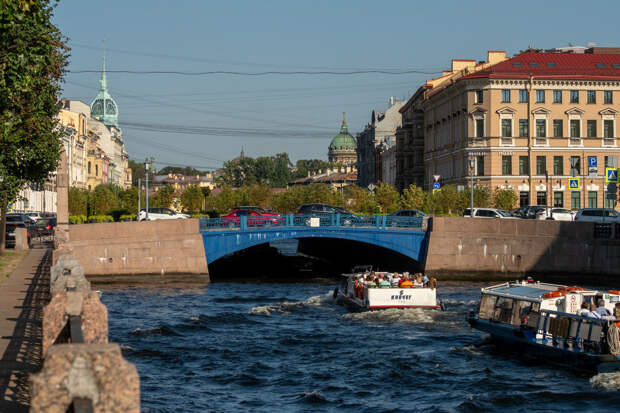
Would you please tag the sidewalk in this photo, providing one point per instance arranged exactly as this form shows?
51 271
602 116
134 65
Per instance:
22 297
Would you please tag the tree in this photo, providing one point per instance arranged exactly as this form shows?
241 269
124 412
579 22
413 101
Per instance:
137 172
387 197
206 191
304 166
504 198
103 200
191 198
414 197
187 170
78 201
128 199
32 64
163 197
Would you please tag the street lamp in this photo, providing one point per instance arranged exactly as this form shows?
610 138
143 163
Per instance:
146 170
471 176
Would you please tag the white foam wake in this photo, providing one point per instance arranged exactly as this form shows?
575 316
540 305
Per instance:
606 381
393 315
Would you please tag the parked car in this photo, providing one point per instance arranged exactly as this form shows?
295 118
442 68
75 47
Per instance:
597 215
555 214
256 216
488 213
14 221
35 215
325 211
160 213
530 211
45 226
408 213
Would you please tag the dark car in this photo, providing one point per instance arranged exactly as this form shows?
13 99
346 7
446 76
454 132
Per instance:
14 221
324 212
45 226
529 212
256 217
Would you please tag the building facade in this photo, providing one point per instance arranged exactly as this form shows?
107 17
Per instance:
528 123
342 149
381 130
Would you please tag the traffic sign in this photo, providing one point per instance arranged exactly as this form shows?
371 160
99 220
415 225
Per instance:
592 161
10 208
435 190
611 175
371 187
574 184
436 185
436 178
592 166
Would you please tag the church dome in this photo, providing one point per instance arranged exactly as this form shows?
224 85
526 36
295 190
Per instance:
343 140
104 108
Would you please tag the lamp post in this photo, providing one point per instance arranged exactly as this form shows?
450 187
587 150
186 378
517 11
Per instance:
146 171
471 176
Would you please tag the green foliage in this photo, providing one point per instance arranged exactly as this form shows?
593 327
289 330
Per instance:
163 197
304 166
505 199
192 198
414 197
137 172
32 63
77 219
100 218
102 200
387 197
188 170
78 201
273 171
117 213
128 217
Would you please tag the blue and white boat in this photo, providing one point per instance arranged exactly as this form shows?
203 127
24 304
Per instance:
542 320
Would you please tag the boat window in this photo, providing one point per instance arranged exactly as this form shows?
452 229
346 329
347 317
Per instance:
503 310
487 306
522 312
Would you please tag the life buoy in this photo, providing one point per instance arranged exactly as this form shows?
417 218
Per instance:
614 292
570 289
553 294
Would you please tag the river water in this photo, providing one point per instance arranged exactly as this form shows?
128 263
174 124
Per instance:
280 347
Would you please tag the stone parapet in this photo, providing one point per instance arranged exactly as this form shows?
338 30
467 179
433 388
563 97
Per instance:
95 372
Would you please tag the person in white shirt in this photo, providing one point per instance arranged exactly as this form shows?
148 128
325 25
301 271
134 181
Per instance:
584 310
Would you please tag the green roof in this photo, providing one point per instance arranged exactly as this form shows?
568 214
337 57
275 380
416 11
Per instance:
343 139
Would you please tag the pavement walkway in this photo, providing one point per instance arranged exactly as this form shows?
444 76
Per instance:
22 297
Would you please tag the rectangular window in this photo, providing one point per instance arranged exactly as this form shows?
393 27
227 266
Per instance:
479 128
591 126
591 96
575 165
523 96
478 97
575 200
557 96
505 95
524 129
540 96
541 128
541 198
558 165
592 199
524 199
608 97
608 128
609 204
574 96
575 128
541 165
479 165
507 128
506 165
524 165
611 161
558 128
558 199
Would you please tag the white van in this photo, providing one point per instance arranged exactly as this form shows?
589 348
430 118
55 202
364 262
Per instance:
488 213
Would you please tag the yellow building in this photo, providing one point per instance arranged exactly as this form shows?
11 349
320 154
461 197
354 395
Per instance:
528 123
97 165
74 138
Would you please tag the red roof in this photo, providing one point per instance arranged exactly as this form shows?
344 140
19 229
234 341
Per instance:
589 66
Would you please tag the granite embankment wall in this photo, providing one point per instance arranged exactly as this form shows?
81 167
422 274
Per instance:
140 251
505 248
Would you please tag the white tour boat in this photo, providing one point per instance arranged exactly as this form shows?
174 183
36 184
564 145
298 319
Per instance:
548 321
357 292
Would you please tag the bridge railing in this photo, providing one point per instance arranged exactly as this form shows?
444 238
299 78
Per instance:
381 222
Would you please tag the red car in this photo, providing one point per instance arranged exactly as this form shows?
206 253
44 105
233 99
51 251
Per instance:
257 217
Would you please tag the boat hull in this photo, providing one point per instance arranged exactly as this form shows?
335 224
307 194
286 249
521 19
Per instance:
386 298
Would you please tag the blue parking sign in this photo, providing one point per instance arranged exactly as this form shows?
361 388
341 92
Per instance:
592 161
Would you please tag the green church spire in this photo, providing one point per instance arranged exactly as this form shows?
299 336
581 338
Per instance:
104 108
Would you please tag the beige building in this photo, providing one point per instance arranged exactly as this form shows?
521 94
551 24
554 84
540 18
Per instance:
74 141
528 123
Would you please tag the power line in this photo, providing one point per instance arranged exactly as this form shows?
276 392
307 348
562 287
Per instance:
266 73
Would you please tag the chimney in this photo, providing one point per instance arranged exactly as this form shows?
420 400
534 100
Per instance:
496 56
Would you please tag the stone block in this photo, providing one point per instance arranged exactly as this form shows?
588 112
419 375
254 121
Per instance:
94 371
21 239
93 313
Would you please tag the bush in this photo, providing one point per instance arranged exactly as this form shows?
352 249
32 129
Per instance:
101 218
117 213
77 219
200 216
127 217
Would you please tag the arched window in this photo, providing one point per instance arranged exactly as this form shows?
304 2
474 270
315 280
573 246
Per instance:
96 170
89 167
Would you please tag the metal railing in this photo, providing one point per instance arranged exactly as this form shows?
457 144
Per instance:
380 222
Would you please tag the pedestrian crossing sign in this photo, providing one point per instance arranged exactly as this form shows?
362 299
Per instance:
574 184
611 175
435 190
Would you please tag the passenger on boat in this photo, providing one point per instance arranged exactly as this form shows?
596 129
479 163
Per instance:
425 280
584 310
395 280
417 282
592 313
601 310
406 283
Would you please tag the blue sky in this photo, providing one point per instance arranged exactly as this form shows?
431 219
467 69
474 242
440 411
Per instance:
298 114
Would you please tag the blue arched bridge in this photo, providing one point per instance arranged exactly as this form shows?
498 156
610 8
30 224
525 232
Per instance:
224 236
